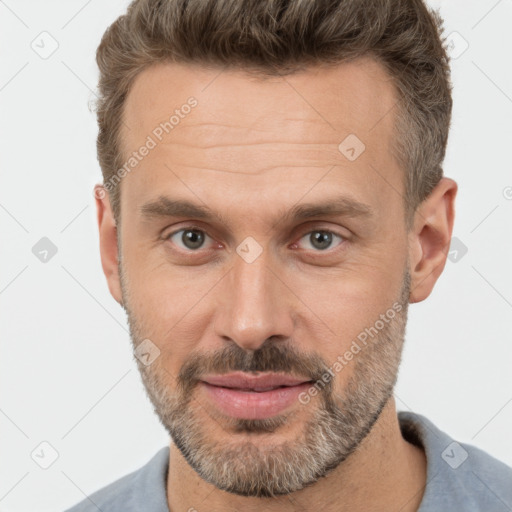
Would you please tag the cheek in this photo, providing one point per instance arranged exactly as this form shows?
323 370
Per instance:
353 316
350 299
171 305
345 312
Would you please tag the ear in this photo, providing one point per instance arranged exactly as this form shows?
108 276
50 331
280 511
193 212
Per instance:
430 237
108 242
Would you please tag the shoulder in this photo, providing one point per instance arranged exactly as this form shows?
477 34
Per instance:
143 489
460 476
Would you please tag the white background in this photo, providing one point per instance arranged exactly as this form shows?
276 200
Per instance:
67 375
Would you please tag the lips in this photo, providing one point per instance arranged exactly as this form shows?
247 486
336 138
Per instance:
245 396
256 383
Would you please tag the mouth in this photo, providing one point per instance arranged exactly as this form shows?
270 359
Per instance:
247 396
255 390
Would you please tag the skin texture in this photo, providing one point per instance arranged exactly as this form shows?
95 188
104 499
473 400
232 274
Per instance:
250 151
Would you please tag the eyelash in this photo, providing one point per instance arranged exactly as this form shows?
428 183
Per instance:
318 230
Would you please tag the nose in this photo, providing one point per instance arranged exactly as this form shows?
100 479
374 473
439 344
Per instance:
254 304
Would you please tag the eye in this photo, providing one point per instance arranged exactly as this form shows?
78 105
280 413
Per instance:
191 238
321 239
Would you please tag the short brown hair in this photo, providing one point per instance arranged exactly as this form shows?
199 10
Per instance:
278 37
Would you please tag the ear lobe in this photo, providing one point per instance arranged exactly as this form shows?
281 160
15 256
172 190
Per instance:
429 240
108 242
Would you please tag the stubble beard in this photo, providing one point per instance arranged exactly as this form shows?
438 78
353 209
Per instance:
336 422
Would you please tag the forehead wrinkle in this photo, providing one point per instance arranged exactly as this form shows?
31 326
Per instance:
253 158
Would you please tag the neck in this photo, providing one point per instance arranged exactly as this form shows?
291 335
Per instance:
385 473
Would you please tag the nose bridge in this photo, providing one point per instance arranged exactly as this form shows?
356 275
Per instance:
254 306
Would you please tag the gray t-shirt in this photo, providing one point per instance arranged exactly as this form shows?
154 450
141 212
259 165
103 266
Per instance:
460 477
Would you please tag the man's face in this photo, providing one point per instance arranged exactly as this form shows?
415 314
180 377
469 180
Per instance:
252 287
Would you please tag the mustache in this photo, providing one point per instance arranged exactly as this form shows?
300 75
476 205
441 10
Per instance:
279 357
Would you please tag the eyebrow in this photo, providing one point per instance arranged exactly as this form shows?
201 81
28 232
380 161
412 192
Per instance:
337 206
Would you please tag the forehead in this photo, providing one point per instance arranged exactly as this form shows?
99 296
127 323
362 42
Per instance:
248 129
352 95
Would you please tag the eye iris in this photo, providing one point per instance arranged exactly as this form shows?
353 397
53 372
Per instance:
322 237
192 238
